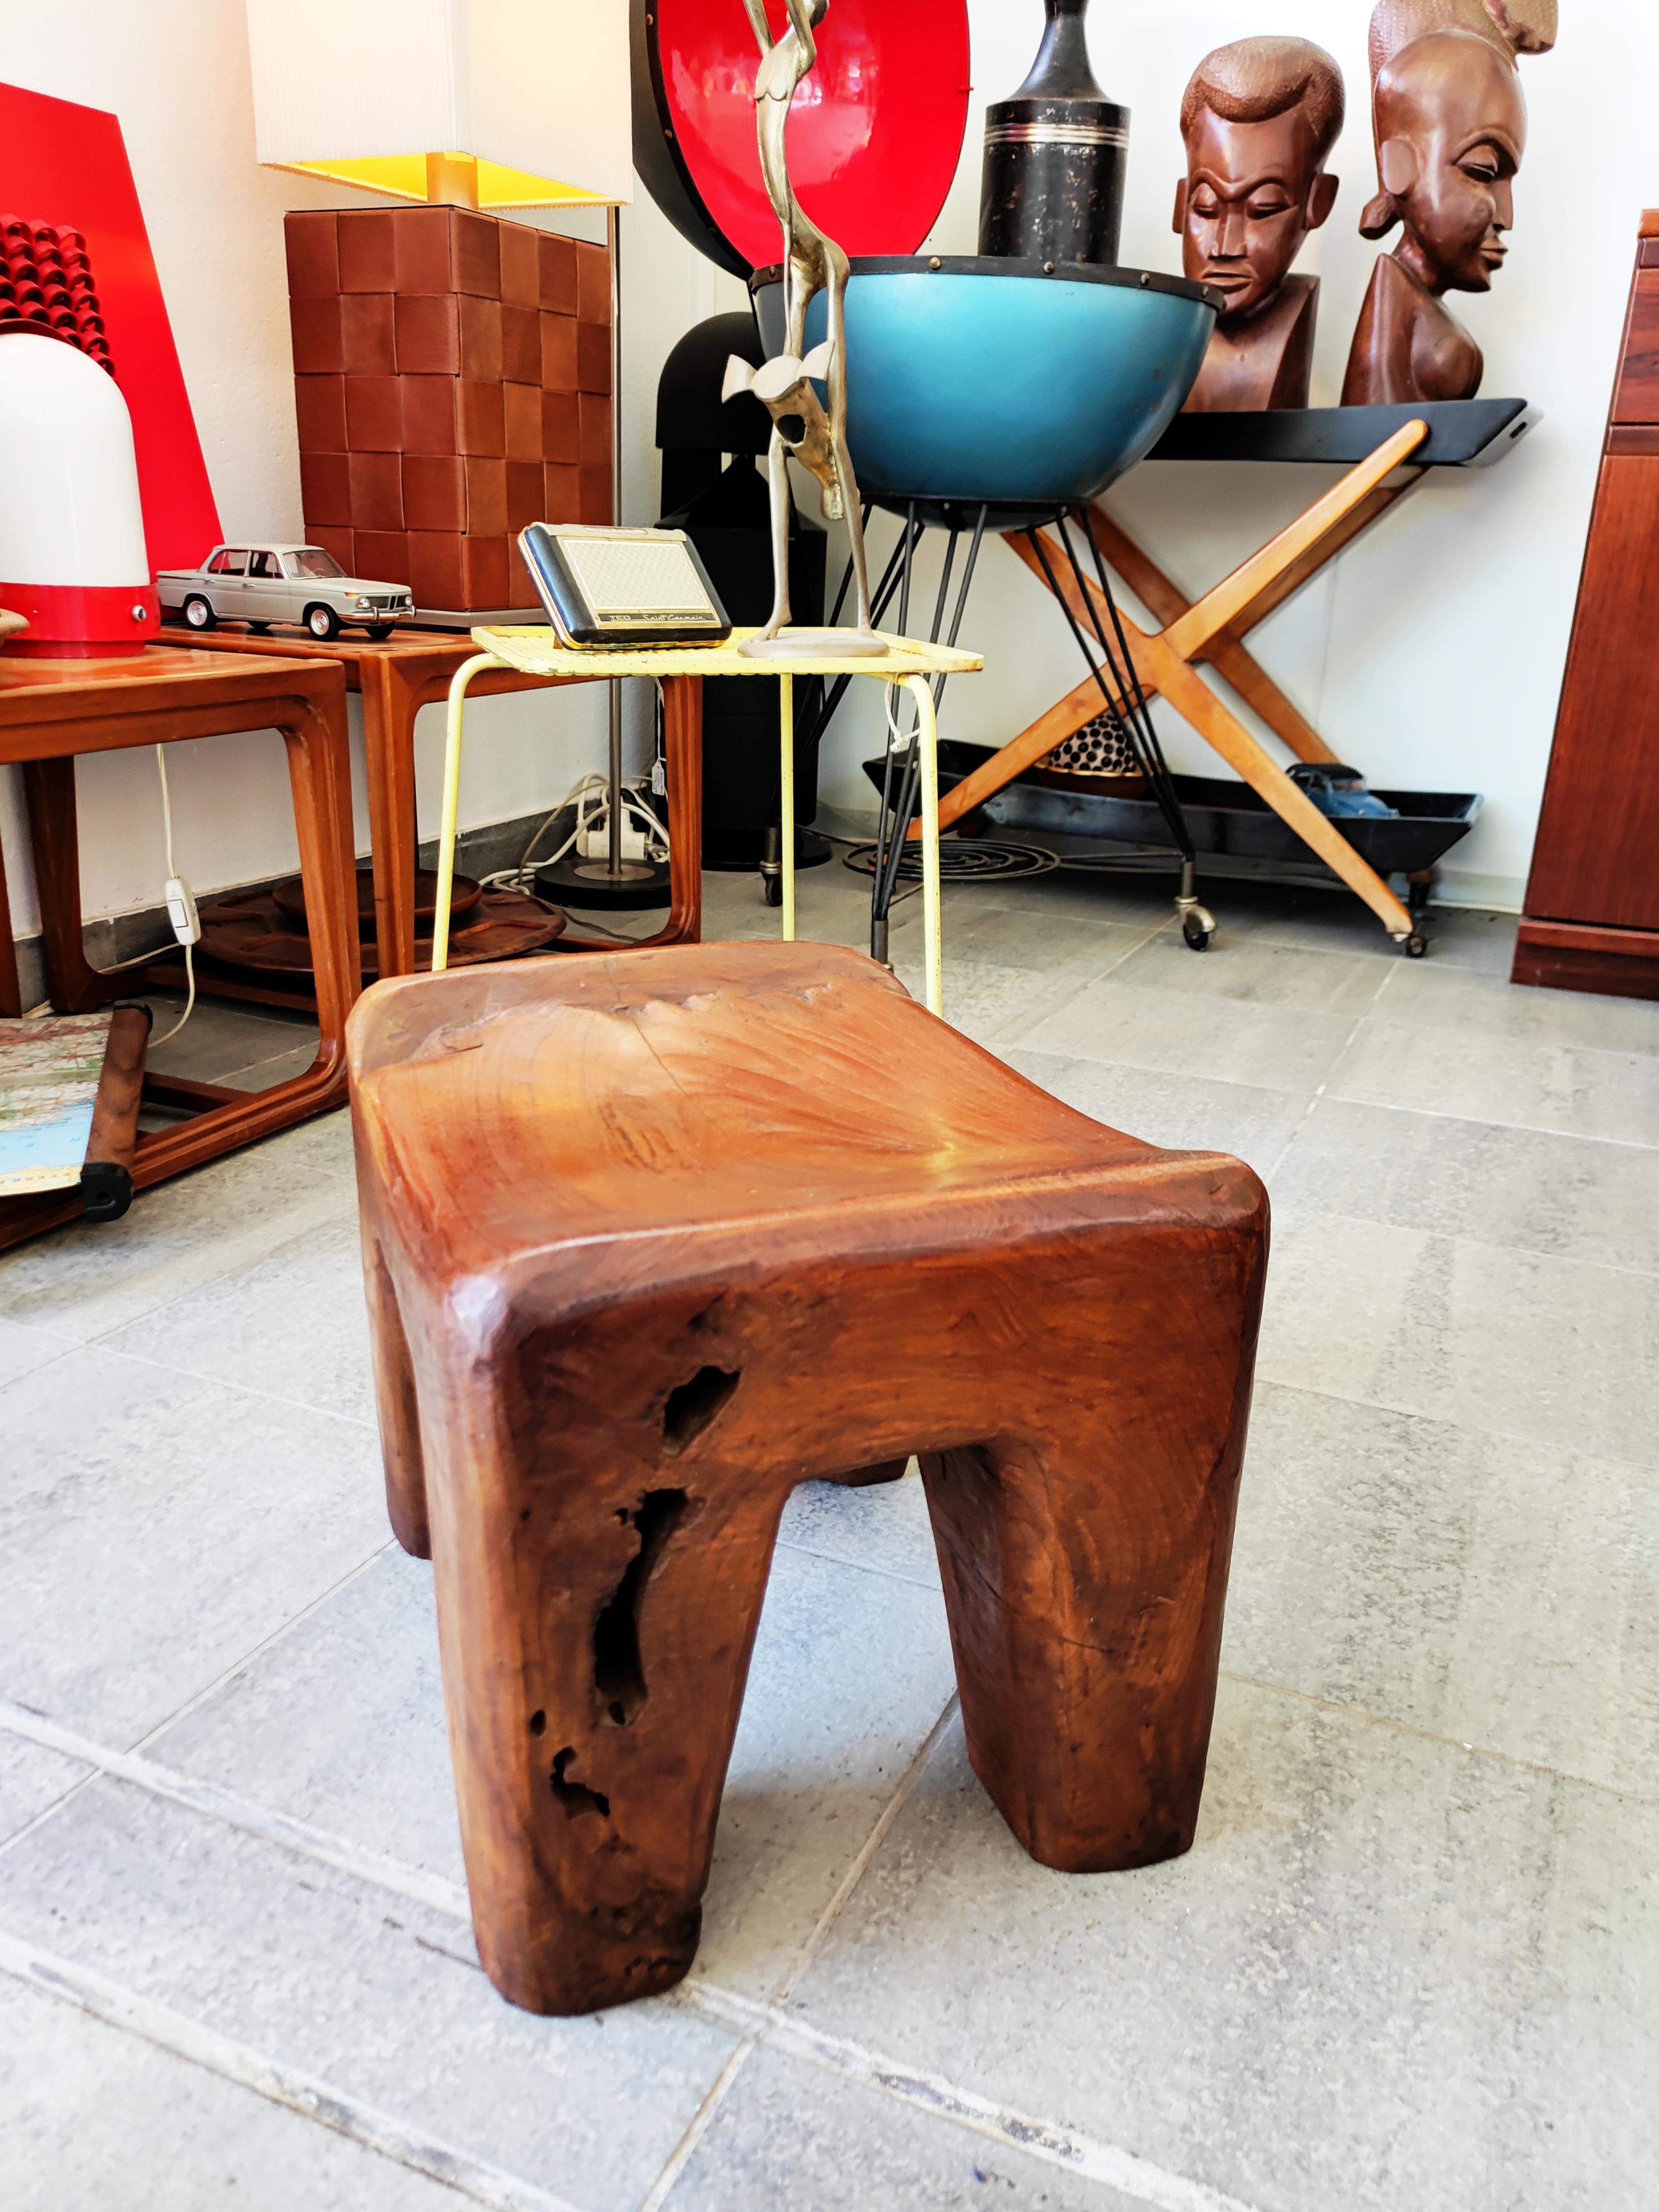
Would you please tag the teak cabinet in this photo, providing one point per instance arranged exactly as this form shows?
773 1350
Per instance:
1592 916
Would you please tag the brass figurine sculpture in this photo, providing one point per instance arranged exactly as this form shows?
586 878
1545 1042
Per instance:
1259 119
800 424
1450 121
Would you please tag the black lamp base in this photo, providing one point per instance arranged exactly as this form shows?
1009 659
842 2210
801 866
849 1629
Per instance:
590 885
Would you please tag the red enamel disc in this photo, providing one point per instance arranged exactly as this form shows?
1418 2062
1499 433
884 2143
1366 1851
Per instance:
875 134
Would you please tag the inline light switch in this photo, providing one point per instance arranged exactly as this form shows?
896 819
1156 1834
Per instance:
181 911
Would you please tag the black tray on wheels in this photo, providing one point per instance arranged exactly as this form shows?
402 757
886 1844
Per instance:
1227 821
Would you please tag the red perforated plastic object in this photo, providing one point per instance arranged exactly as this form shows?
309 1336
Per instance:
64 168
874 138
46 281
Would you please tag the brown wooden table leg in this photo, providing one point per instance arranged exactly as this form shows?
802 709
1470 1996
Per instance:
319 773
72 984
390 704
11 988
682 740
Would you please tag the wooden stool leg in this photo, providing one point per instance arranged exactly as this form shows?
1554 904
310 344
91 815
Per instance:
596 1621
400 1419
1085 1605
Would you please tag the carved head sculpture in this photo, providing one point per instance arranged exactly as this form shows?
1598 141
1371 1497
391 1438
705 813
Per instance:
1259 119
1451 129
1521 27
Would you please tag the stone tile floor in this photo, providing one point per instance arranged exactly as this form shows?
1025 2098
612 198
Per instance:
1414 1960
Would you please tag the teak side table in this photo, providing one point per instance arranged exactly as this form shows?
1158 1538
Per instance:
908 663
399 676
50 711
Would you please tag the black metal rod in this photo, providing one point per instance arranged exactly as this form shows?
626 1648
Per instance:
894 823
1034 538
837 690
1130 712
910 540
1163 782
939 681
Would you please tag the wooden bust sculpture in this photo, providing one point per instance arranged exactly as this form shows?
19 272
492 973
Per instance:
1450 121
1259 119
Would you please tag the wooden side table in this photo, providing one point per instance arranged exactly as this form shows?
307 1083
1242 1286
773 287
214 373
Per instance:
50 711
413 670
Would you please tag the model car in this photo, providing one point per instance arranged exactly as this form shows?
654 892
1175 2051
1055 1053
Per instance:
264 584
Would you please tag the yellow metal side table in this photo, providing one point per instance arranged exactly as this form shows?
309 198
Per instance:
907 662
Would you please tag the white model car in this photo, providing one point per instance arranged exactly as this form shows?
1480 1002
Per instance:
264 584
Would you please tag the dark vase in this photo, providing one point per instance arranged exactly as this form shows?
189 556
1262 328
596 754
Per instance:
1056 156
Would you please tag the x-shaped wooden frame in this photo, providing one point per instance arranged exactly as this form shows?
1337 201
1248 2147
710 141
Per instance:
1213 628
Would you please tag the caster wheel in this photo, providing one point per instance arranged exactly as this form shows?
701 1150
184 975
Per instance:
772 888
1198 928
1417 947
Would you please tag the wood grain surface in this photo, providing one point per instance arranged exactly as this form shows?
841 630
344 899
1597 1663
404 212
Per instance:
1594 863
649 1240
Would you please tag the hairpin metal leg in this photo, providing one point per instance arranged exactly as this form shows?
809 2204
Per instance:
458 690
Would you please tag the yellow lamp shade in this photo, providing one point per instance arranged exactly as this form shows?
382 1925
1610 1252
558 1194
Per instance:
403 96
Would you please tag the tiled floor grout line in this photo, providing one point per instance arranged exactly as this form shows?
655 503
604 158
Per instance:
1306 1114
1477 1244
680 2157
169 2030
265 1644
1642 1467
1048 2141
101 1337
232 1811
1488 1751
1479 1121
859 1566
228 1382
759 2021
764 2021
50 1812
40 1367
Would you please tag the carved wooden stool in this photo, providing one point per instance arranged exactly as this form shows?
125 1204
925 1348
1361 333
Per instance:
649 1240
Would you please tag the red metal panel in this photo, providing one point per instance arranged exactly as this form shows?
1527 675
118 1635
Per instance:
65 164
875 135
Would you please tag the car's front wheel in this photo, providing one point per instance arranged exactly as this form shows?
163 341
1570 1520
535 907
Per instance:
198 612
322 622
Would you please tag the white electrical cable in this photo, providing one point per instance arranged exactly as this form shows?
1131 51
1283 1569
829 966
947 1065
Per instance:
190 949
590 815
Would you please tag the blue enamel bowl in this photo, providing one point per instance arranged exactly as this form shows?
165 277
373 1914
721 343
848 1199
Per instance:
976 382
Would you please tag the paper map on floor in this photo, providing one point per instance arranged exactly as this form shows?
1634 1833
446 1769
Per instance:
49 1071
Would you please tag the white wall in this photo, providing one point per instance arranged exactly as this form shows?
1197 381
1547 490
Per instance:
1430 654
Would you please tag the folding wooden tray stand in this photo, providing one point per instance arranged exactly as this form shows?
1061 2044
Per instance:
1468 433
